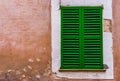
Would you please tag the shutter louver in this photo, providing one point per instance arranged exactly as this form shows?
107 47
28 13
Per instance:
70 38
81 38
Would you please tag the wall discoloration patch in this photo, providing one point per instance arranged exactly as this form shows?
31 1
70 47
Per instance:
107 25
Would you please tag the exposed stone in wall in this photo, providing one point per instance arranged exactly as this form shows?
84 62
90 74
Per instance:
30 72
107 25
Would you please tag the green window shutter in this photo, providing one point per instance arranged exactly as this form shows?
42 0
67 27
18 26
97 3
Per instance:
70 42
81 38
93 49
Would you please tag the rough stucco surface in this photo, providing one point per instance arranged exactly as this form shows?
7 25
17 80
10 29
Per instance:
24 40
116 38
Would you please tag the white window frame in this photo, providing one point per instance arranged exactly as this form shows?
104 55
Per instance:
107 43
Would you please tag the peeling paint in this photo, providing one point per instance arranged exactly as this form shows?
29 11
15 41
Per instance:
37 59
37 76
30 60
107 25
29 67
23 76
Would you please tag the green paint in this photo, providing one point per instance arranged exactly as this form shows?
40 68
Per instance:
81 38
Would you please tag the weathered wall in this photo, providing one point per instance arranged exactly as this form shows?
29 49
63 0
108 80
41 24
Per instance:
24 40
116 37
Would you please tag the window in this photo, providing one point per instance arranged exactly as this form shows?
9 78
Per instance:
58 67
81 38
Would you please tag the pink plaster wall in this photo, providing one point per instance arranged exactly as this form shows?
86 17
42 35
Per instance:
24 33
25 40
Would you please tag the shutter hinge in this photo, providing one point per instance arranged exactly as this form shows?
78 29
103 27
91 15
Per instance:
59 4
106 66
102 6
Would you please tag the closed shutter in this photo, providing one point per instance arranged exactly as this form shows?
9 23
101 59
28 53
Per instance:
70 42
81 38
93 38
